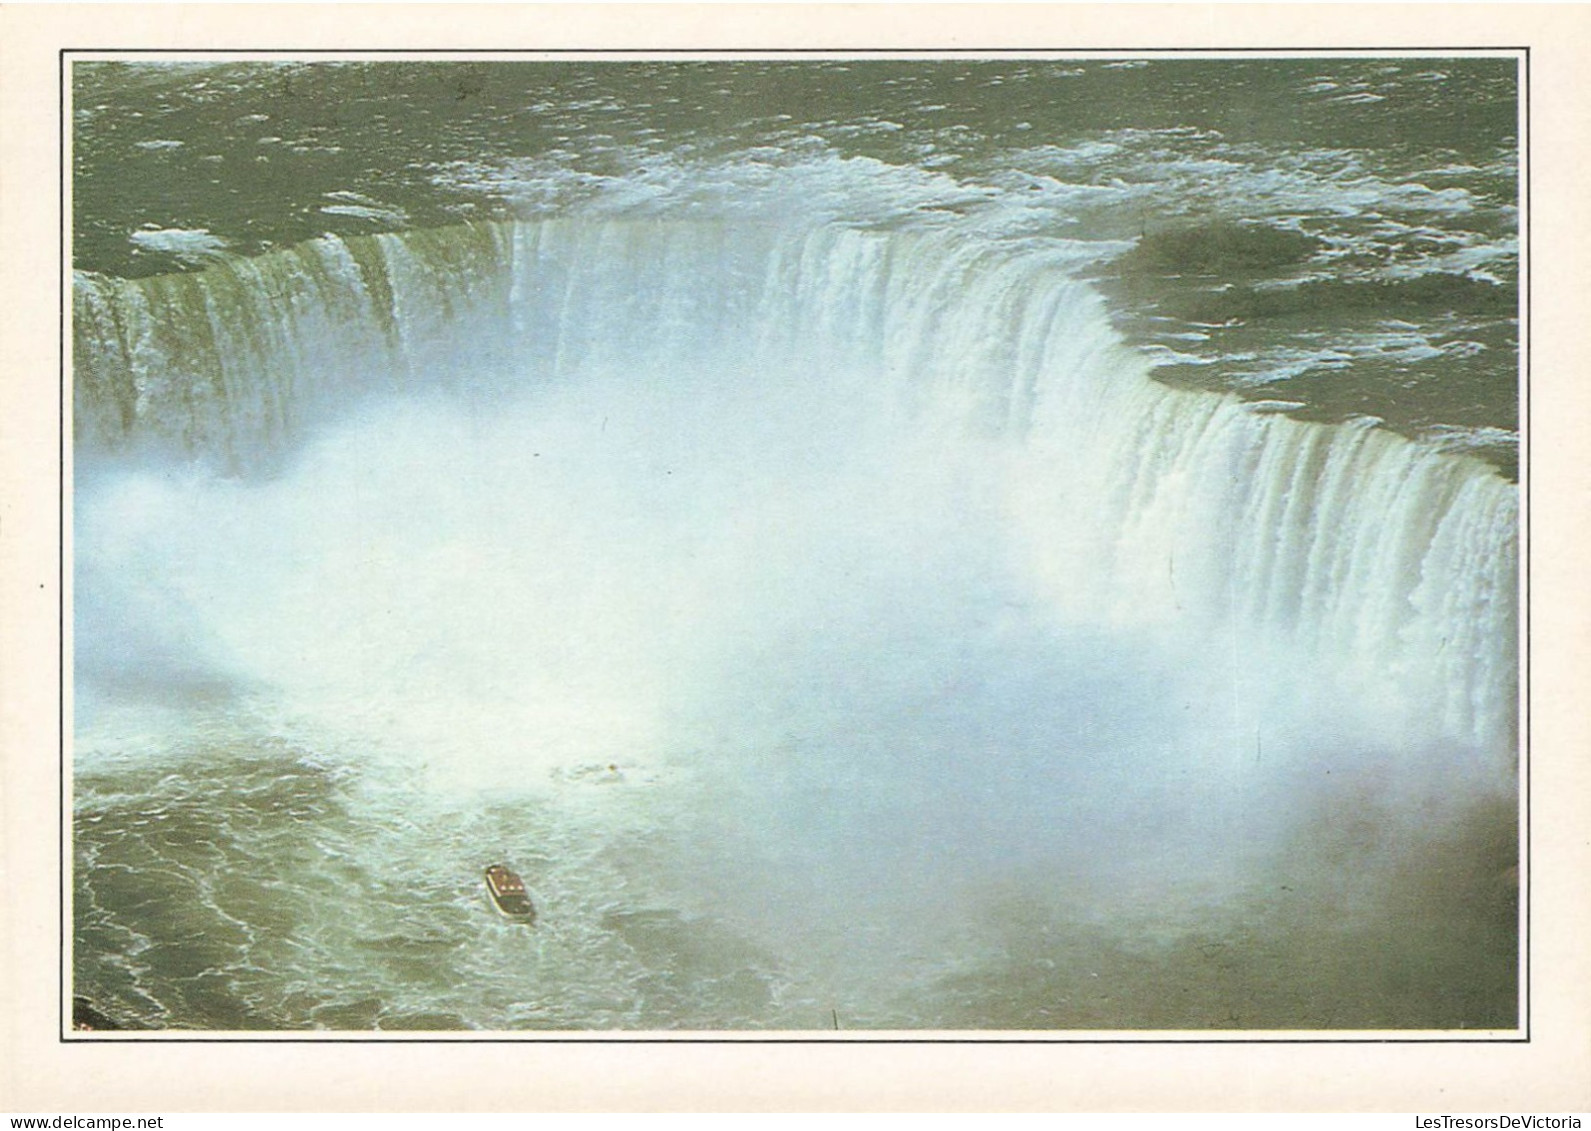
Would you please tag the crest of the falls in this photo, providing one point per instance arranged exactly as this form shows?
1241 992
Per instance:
865 369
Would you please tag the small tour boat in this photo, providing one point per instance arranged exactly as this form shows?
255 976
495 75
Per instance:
508 894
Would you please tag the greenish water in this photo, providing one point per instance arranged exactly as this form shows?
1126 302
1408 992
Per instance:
1398 176
1013 544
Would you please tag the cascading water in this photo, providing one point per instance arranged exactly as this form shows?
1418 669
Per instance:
829 618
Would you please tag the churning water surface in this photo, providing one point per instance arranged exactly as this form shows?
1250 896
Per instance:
889 544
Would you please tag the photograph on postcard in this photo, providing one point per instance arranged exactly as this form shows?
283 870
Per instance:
794 544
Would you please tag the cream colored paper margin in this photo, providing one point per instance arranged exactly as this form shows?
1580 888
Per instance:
40 1072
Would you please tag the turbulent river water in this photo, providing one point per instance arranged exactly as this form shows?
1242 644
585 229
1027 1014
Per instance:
876 543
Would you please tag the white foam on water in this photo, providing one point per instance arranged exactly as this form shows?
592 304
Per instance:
187 245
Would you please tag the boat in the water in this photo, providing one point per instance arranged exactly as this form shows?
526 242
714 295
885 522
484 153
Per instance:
509 895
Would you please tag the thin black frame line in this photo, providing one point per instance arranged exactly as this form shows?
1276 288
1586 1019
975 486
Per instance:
1523 965
464 1039
1526 336
63 373
1038 54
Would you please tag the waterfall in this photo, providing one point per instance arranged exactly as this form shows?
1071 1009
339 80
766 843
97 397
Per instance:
1130 503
